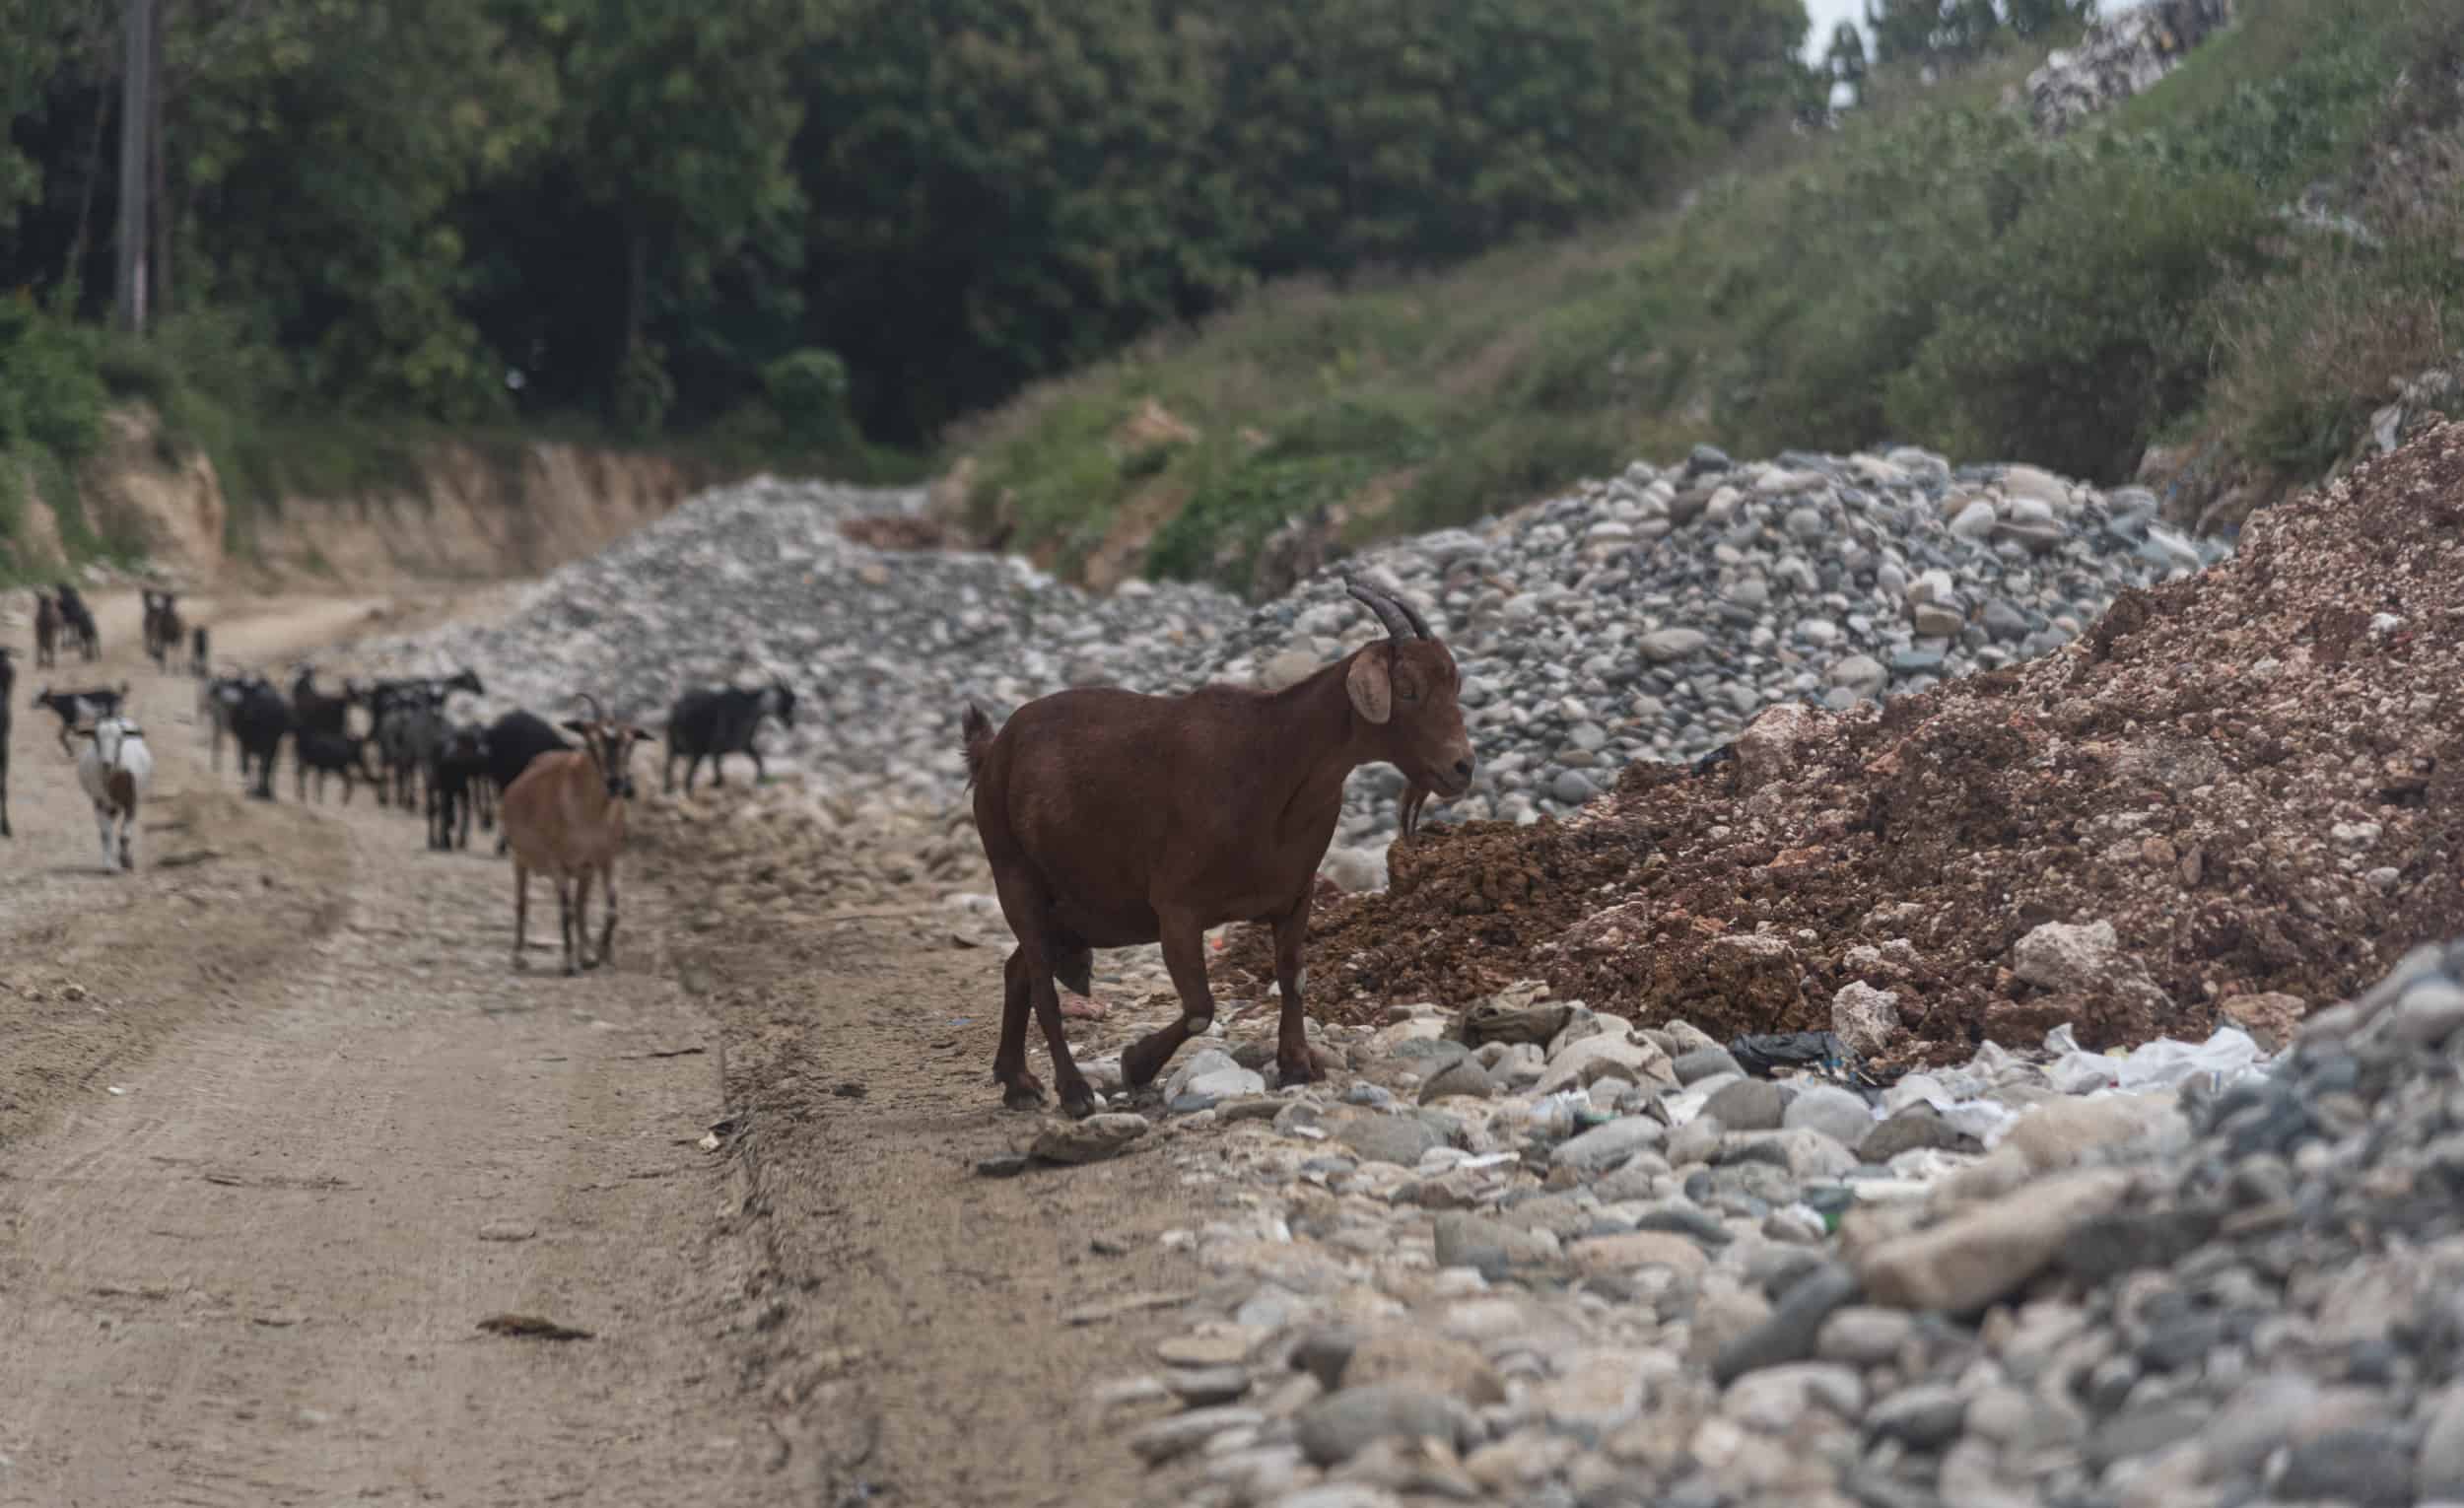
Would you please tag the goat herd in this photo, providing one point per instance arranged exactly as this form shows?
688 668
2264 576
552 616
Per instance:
558 808
1109 818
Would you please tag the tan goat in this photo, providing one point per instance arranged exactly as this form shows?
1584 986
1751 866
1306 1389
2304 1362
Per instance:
565 817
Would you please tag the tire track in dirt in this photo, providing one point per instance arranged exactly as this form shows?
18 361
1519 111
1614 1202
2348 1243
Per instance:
930 1334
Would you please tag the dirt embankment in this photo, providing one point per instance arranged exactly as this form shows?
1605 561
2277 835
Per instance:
459 512
2256 776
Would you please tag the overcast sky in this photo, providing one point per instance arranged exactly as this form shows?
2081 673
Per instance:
1826 16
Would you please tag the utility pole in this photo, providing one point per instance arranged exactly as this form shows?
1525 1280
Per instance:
158 200
136 175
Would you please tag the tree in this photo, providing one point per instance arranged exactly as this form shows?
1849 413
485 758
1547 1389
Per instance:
2041 18
1845 62
671 153
1742 58
1000 189
1376 131
317 149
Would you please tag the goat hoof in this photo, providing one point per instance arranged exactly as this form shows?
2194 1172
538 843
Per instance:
1081 1108
1142 1062
1026 1094
1288 1074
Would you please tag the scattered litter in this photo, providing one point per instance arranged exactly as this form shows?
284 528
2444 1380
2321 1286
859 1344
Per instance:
1113 1309
533 1327
507 1230
115 1089
709 1141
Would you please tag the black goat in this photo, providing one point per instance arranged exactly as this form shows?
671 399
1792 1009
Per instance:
344 754
714 723
513 741
407 717
76 708
78 618
456 767
218 699
259 723
312 710
47 629
163 628
196 651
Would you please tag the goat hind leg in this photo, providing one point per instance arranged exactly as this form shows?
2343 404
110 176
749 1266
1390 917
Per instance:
1021 1089
1291 1046
1184 958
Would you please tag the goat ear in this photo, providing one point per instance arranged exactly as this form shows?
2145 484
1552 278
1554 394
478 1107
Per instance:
575 725
1371 684
643 735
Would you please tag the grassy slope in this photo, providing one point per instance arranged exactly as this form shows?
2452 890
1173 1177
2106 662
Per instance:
1929 273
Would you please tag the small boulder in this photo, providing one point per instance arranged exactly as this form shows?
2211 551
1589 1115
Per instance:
1089 1141
1340 1425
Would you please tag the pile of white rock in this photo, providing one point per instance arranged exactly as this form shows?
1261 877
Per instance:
2122 55
1569 1262
1647 616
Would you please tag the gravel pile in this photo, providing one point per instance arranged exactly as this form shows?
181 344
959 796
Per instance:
1568 1263
2234 790
883 648
1647 616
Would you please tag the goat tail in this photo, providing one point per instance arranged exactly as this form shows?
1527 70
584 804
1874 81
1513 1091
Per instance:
977 729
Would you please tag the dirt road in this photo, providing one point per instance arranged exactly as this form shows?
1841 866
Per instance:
279 1128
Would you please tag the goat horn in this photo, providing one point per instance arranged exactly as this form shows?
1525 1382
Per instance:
597 715
1401 621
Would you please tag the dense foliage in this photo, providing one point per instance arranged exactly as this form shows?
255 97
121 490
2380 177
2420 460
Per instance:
637 210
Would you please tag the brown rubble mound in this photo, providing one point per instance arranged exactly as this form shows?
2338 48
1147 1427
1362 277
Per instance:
2255 777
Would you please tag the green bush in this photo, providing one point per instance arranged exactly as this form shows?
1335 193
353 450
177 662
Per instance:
2078 337
808 389
51 396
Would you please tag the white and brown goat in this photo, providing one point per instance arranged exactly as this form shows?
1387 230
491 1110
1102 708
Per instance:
565 817
114 768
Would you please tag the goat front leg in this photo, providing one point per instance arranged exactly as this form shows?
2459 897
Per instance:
565 921
608 933
102 832
1291 1038
128 839
521 913
1184 958
581 918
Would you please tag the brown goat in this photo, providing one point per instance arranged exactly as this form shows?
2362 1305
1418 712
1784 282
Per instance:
1112 818
565 817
